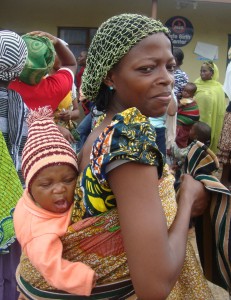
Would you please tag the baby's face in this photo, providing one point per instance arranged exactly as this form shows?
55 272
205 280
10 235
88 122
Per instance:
53 188
186 92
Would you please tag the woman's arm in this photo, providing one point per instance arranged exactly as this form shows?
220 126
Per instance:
155 254
75 111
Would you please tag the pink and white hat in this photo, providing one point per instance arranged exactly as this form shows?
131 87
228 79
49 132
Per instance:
45 145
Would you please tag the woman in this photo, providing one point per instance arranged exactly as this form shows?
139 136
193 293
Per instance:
181 78
126 224
211 101
13 133
34 86
67 113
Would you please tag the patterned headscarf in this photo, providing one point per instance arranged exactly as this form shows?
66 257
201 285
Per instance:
13 55
112 41
41 56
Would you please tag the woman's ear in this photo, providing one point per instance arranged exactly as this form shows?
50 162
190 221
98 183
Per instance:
108 81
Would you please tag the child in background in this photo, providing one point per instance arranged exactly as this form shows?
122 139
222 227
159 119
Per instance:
67 113
187 115
200 131
42 215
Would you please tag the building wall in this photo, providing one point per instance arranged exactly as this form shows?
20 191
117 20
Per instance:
26 15
211 22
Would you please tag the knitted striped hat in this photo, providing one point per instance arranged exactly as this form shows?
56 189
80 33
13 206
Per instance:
45 145
13 55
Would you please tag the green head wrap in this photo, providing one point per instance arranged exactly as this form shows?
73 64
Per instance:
112 41
213 67
41 55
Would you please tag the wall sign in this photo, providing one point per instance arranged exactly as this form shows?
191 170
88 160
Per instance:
181 30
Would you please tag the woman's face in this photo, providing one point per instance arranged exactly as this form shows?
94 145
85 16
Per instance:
206 73
144 76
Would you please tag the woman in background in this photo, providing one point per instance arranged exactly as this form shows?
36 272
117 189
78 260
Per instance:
13 133
211 101
181 78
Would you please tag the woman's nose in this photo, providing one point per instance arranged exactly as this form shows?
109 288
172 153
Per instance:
165 77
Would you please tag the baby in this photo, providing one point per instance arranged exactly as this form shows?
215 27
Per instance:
43 214
187 115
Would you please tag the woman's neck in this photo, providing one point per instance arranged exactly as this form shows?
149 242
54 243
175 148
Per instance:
116 106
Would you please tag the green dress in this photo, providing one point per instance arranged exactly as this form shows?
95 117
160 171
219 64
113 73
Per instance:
210 98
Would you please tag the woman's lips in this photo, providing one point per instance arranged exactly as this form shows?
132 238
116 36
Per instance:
166 98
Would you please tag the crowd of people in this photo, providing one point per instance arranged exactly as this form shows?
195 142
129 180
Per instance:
100 208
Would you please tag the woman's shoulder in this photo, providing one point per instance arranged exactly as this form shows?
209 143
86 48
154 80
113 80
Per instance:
132 115
129 137
130 125
129 117
179 74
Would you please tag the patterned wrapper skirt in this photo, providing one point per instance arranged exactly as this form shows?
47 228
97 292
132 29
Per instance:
97 241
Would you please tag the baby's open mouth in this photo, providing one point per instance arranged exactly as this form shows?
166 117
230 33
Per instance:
62 204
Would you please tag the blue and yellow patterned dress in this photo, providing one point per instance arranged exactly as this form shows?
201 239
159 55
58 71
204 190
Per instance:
130 137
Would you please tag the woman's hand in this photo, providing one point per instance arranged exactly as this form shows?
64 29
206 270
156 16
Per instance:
194 192
65 55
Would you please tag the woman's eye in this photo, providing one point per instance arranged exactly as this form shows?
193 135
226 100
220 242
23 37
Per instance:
171 68
146 69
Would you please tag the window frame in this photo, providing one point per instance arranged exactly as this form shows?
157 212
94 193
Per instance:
83 46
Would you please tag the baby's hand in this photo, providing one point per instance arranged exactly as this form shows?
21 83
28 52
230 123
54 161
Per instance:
65 115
